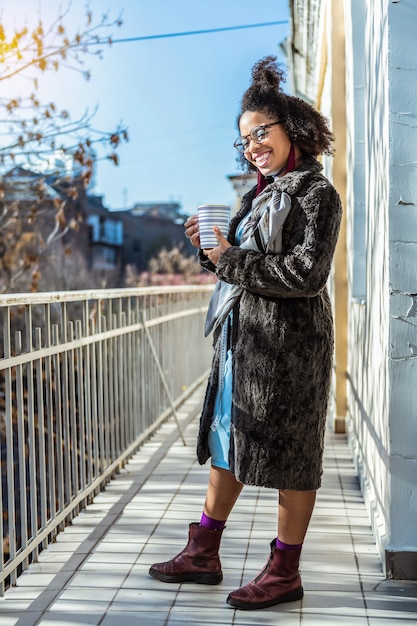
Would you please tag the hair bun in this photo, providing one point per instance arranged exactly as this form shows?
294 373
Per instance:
267 74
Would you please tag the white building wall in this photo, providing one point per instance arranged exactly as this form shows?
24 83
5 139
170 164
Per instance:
381 211
382 147
368 214
403 275
355 146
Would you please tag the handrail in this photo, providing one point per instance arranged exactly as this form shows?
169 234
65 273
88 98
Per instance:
45 297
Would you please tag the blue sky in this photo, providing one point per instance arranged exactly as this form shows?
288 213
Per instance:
178 96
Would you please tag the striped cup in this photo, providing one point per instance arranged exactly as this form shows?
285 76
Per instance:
210 215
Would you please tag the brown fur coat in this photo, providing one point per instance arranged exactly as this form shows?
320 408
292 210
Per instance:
282 341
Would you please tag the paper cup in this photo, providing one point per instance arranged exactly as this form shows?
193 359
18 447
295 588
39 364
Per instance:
210 215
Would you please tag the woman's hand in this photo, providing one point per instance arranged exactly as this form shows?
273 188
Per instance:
214 253
192 231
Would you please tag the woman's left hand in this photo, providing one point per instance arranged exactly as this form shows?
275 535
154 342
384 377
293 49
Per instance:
214 253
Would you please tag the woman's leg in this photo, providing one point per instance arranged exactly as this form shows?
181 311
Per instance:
199 562
294 513
280 580
222 492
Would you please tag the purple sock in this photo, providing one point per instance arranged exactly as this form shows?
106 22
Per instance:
287 546
212 524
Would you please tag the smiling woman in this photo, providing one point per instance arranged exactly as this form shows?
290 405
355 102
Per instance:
264 412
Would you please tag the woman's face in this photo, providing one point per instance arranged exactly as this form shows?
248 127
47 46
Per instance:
270 152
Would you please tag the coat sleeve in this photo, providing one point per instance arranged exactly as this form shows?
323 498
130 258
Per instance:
304 266
205 262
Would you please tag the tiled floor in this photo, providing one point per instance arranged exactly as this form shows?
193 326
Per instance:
97 571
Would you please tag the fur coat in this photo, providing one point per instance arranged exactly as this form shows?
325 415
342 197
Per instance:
282 340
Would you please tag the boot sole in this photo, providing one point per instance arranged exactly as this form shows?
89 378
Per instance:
199 579
292 596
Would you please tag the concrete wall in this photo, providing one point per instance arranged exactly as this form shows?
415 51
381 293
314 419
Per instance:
379 65
403 282
355 146
382 226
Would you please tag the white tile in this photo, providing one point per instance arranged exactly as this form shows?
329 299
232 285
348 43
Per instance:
57 618
9 620
180 616
134 599
129 618
342 608
88 600
391 607
99 580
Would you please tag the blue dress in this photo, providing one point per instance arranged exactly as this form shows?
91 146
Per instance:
219 435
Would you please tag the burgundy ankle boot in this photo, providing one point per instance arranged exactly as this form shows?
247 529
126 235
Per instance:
199 562
278 582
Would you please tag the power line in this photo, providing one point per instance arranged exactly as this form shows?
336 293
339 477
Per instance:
197 32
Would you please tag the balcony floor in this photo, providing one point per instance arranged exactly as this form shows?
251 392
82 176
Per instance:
97 571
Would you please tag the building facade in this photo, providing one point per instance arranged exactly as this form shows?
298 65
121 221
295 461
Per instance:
356 61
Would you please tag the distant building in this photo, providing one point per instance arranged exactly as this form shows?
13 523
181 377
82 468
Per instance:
21 185
169 210
115 239
108 240
102 243
147 230
242 183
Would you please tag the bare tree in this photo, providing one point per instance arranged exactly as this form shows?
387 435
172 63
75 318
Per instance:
33 131
169 267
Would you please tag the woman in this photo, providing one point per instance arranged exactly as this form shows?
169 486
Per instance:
264 413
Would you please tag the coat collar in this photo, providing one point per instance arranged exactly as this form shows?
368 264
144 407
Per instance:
290 183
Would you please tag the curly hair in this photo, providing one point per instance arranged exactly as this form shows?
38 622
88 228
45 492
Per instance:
304 125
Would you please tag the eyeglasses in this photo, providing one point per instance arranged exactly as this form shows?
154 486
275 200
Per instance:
257 134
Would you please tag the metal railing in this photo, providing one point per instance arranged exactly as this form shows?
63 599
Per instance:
85 378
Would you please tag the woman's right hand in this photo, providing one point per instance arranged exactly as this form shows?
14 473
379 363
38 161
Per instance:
192 231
